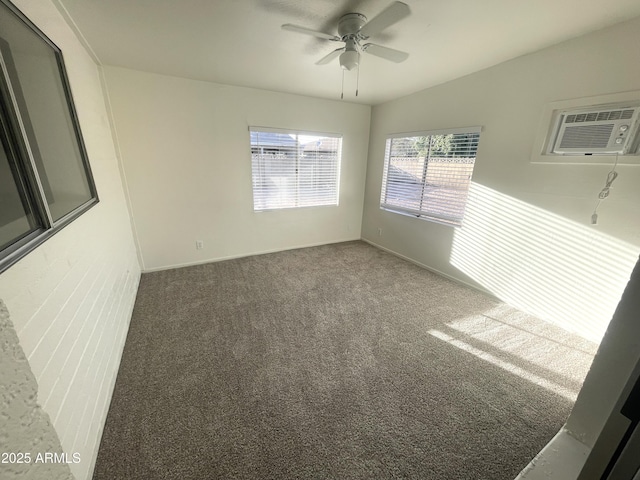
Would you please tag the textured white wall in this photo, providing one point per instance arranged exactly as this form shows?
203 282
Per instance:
71 299
527 236
26 428
186 156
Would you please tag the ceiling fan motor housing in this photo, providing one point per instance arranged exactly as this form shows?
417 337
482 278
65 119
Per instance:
350 24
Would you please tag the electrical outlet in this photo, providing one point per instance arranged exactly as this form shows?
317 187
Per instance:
199 244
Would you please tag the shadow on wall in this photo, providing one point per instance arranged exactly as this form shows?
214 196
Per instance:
563 272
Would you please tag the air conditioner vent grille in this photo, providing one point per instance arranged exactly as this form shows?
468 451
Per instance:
599 116
587 136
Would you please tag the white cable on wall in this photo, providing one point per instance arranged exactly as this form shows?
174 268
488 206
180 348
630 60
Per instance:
604 193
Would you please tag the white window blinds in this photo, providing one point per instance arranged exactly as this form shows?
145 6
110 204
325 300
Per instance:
428 175
294 169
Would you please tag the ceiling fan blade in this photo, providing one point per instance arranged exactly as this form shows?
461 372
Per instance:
307 31
392 14
385 52
335 54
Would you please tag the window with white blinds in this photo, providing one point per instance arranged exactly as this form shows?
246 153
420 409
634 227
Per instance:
428 174
294 169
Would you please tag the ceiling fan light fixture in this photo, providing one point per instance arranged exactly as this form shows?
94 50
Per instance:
349 59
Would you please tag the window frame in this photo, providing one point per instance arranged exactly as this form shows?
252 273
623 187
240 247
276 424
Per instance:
288 131
423 213
22 147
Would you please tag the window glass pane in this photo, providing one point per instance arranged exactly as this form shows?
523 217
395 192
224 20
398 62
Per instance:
429 175
33 70
292 169
406 167
16 219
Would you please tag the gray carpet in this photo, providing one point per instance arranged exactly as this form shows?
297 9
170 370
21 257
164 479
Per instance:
336 362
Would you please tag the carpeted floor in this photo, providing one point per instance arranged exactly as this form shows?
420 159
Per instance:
332 362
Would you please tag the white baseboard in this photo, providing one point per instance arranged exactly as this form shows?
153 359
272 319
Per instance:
243 255
561 459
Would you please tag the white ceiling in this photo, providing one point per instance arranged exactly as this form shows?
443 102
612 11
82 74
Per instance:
240 42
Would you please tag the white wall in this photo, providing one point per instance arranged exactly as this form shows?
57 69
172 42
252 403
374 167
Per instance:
526 236
70 300
186 156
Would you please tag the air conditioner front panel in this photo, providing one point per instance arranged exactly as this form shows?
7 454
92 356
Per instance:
586 136
596 132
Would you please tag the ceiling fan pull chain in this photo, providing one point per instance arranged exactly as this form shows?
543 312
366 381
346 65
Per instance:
357 76
342 91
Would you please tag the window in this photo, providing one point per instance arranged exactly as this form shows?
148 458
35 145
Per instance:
294 169
427 175
45 180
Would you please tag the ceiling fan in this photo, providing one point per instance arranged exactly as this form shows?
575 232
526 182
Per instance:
353 28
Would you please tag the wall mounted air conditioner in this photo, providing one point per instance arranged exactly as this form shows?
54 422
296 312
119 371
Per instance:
601 130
